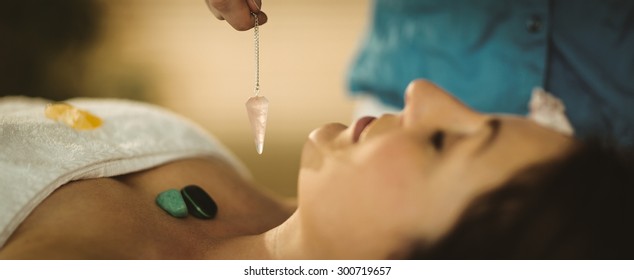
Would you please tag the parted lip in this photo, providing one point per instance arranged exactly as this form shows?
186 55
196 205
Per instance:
359 126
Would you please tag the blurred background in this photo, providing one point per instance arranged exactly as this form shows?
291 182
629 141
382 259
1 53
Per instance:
176 54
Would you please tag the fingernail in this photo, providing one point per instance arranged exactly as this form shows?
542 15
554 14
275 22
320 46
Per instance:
256 5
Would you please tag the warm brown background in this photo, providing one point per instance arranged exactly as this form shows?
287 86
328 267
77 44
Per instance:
176 54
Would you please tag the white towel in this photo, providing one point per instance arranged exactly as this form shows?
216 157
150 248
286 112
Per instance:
38 155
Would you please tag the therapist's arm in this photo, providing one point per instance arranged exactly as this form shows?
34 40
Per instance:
237 12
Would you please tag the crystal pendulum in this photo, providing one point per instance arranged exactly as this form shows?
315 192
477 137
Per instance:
257 106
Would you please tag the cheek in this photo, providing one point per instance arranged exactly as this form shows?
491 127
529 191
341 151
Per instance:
391 164
373 189
375 168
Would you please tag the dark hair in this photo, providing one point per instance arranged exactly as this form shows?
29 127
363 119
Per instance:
579 207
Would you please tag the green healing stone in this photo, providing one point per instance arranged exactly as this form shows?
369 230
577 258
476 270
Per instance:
172 202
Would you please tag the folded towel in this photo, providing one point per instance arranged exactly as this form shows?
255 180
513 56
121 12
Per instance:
38 154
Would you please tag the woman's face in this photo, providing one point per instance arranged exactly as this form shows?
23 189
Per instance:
370 189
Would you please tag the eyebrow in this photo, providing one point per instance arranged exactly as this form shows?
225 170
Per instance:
494 128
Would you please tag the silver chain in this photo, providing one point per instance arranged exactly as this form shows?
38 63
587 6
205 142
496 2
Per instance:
256 39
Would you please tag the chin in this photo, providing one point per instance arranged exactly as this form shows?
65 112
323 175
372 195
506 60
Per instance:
311 157
326 133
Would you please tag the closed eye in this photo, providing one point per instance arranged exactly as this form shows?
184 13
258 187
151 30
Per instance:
494 126
438 140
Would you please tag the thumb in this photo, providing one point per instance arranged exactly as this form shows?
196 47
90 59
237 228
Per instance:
254 5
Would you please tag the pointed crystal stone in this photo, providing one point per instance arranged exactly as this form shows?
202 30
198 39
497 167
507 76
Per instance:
258 108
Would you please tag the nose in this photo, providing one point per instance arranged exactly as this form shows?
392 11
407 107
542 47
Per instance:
430 106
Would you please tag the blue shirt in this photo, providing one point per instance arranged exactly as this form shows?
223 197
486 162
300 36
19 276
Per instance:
492 53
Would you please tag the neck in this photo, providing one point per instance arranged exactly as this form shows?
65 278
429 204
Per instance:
290 241
283 242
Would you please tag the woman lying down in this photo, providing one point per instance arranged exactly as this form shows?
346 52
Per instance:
437 180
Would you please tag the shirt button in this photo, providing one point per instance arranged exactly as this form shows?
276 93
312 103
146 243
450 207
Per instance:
534 24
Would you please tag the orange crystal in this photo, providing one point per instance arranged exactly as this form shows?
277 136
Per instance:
71 116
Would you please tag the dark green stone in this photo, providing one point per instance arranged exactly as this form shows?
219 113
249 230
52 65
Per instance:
172 202
199 203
